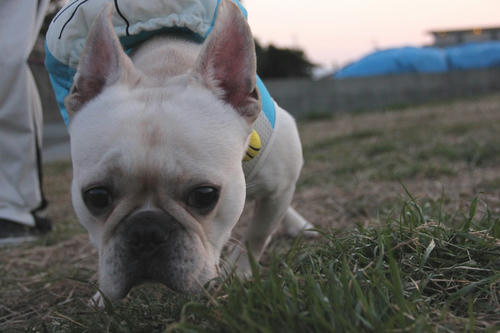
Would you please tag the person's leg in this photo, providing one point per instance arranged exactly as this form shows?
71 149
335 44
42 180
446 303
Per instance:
20 118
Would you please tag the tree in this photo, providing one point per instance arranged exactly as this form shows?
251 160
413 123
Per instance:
274 62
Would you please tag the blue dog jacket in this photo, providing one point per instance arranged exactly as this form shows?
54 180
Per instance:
135 21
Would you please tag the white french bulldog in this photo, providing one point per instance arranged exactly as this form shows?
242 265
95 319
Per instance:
157 140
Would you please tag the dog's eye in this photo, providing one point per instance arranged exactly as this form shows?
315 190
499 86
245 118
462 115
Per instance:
97 200
203 198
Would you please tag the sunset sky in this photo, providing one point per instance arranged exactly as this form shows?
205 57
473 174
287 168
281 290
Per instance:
337 31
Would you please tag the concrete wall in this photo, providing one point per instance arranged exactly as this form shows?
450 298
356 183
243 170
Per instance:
301 96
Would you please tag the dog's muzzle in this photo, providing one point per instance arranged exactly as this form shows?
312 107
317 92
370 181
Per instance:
152 246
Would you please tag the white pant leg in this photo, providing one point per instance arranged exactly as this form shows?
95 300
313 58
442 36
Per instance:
20 111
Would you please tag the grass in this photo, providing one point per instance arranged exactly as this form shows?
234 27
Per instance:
413 273
407 151
417 257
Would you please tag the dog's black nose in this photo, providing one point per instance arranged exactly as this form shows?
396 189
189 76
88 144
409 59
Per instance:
148 230
145 236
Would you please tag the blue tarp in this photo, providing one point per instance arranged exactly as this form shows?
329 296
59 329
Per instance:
424 60
474 55
397 61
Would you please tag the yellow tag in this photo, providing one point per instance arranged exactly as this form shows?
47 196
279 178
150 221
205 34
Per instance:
254 146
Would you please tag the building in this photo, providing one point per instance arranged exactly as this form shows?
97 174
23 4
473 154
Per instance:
443 38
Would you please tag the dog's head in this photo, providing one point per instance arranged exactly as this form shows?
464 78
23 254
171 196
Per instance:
158 180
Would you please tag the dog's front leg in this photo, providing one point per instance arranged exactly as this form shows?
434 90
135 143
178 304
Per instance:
268 213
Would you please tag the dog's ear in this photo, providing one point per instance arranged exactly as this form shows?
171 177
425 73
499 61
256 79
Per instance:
227 62
102 63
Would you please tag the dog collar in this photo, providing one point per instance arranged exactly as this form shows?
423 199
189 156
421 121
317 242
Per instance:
260 140
254 146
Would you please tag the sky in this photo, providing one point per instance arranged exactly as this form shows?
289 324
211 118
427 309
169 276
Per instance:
335 32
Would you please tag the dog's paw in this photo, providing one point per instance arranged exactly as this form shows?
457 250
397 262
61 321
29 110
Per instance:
294 224
243 270
309 232
97 300
238 263
294 230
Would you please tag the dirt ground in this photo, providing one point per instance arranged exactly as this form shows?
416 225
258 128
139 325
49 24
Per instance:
355 168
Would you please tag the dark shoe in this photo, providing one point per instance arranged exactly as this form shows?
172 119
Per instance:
42 224
12 232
